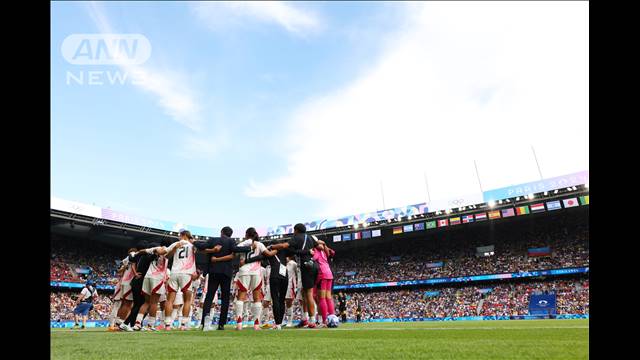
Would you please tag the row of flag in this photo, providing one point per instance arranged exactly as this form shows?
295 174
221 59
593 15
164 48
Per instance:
495 214
365 234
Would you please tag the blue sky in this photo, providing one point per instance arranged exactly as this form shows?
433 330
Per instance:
272 113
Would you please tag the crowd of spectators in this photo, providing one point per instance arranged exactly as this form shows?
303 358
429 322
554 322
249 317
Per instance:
78 261
501 300
411 258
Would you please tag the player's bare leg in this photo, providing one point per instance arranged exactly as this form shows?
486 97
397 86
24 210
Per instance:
186 309
168 309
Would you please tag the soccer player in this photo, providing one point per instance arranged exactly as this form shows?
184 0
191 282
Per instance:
266 296
293 288
84 304
183 273
152 287
250 280
324 282
126 294
117 296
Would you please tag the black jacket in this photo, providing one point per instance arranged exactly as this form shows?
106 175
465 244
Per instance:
228 246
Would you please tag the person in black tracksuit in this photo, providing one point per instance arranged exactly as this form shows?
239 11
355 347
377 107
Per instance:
303 246
277 281
143 261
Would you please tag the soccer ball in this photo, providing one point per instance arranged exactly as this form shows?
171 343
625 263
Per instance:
333 321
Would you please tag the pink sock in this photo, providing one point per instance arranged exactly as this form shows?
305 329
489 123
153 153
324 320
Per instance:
331 307
323 310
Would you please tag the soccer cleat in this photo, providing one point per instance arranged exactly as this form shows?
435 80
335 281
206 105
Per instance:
207 328
220 327
183 328
311 326
160 327
322 326
266 326
277 327
82 327
239 323
290 324
125 327
256 327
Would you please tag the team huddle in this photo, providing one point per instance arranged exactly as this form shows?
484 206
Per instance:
162 283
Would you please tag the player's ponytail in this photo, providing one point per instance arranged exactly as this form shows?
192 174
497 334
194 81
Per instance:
252 234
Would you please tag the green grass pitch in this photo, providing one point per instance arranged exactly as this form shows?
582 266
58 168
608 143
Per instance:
508 339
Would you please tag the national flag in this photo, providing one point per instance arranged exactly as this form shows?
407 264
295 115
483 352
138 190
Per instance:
418 226
481 216
337 238
495 214
467 219
397 230
366 234
376 233
570 202
508 212
408 228
537 207
357 236
454 220
522 210
346 237
553 205
584 200
442 222
431 224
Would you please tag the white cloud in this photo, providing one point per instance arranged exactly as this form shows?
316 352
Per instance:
222 14
169 88
172 93
461 81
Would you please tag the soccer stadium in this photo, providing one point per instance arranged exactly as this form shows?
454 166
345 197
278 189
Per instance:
319 180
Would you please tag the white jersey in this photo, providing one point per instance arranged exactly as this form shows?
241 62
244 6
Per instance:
158 268
293 274
128 273
184 258
254 267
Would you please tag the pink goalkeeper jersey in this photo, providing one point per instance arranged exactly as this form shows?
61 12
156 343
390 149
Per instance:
325 271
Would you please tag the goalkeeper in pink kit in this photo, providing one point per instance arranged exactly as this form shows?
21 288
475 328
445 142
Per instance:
324 281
